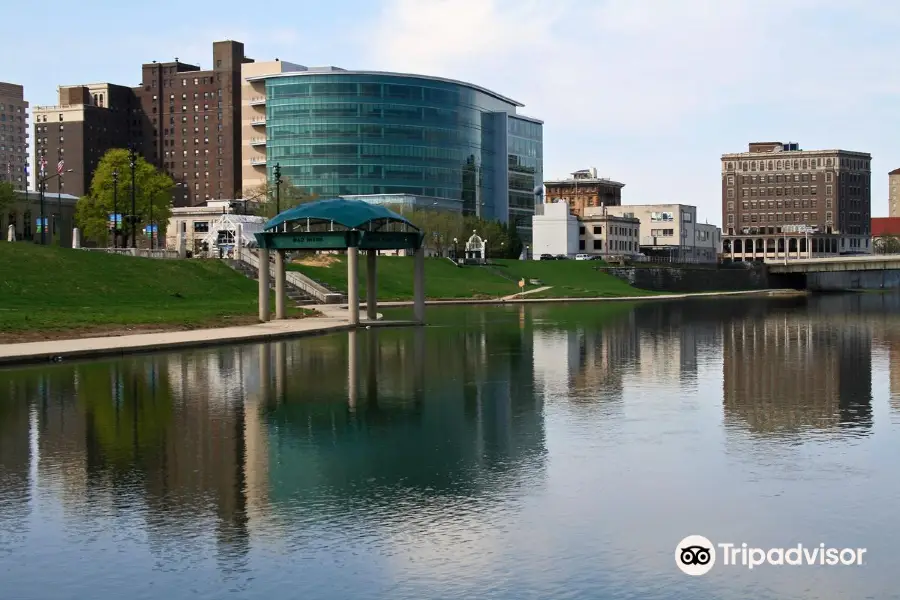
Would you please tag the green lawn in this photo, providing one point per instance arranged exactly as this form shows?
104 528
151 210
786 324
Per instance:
443 280
45 288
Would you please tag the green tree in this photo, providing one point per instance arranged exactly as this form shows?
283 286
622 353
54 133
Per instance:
441 227
7 197
262 197
888 244
153 194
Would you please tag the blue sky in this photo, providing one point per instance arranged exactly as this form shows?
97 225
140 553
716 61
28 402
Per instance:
651 92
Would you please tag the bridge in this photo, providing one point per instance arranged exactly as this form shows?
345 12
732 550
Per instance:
869 272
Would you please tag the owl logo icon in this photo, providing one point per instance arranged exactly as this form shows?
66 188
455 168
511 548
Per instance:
695 555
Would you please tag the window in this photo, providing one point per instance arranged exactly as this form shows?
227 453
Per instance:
731 180
598 230
829 190
731 193
731 206
828 217
813 191
201 226
662 232
598 244
731 219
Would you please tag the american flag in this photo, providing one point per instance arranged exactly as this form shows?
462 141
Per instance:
43 165
60 167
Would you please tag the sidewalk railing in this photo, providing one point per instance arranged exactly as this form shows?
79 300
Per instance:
139 252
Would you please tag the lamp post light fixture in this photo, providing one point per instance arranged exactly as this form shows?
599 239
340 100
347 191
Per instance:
277 172
132 157
115 175
42 189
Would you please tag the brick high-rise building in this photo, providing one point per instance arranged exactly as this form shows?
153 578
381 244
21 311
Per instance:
894 193
812 202
192 128
13 135
584 189
88 121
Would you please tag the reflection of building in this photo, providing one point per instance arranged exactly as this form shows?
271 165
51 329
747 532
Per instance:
337 132
785 373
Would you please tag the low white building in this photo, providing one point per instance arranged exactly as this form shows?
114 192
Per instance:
554 230
203 223
671 232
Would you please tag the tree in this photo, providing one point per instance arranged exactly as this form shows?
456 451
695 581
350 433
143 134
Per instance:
441 227
7 197
263 197
153 194
888 244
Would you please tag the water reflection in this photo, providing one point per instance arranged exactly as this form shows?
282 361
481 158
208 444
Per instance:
419 442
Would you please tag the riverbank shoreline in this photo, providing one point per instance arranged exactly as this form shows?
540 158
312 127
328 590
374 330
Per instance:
331 321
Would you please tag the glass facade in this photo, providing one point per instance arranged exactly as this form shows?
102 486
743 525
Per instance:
346 134
526 159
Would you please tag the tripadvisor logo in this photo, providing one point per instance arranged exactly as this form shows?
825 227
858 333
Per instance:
696 555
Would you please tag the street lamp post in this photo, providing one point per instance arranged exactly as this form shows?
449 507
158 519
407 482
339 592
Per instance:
150 222
133 163
277 171
115 175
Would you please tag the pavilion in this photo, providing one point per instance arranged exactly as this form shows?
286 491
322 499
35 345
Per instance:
340 224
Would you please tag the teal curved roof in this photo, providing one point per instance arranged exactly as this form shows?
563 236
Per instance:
352 214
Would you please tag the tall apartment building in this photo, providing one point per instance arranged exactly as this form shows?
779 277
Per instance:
583 190
192 123
13 135
88 121
184 120
894 193
777 199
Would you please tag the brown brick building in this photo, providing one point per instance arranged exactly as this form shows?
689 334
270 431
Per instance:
184 120
13 134
777 198
88 121
193 123
584 189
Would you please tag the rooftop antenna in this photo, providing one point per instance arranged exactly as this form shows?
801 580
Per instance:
176 60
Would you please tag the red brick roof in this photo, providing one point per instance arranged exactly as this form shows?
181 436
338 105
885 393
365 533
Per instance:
885 226
894 172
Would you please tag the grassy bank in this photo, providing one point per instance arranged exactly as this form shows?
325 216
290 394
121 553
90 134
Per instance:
49 289
444 280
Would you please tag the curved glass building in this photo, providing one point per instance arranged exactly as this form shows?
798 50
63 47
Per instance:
450 144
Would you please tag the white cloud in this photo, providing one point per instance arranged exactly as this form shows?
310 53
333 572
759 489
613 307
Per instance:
659 81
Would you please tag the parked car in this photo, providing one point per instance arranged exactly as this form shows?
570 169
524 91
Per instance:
562 257
582 257
547 257
597 257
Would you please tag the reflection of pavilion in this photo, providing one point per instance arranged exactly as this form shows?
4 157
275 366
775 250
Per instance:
399 427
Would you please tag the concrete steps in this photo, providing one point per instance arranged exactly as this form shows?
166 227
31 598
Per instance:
294 294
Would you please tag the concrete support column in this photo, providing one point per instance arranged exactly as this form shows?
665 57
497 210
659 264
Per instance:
371 285
353 284
280 370
352 368
76 238
280 291
181 245
265 373
419 286
264 284
372 370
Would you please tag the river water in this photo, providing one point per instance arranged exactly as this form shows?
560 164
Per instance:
541 451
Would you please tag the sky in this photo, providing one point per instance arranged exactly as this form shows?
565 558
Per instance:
650 92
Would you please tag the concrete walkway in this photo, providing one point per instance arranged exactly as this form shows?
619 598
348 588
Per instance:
54 350
520 294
